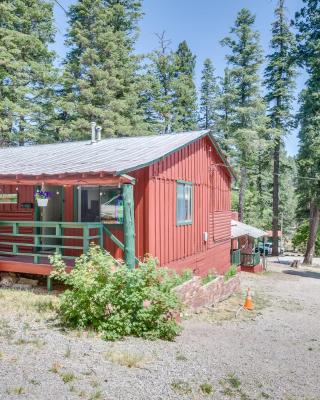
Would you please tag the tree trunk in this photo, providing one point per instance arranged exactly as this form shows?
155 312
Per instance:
313 230
275 199
243 186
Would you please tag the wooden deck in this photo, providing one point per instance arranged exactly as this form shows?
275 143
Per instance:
24 264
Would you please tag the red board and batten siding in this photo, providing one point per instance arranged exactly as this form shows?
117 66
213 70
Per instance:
182 247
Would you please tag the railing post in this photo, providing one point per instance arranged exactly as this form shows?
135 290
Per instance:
36 243
128 225
101 235
85 239
15 230
58 233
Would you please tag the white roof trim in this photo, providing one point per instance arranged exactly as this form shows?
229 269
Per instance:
239 229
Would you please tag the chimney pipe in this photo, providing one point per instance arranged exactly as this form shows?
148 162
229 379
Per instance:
93 132
98 133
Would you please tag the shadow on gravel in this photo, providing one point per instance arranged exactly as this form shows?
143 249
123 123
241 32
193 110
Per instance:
303 274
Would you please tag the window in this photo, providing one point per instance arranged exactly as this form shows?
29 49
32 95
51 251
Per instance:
102 203
111 206
184 203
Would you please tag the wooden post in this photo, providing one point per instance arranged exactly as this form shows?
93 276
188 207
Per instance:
264 254
128 225
49 283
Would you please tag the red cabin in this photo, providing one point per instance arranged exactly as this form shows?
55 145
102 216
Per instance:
167 195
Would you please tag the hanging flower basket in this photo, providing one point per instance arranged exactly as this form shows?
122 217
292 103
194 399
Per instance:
42 198
42 202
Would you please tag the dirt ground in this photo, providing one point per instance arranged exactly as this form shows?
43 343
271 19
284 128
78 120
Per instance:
272 352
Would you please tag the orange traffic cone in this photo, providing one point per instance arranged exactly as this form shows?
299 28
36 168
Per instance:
248 302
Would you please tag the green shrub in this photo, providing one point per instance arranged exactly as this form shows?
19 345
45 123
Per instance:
115 300
232 271
211 276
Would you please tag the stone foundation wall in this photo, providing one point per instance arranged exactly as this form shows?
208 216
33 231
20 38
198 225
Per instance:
195 295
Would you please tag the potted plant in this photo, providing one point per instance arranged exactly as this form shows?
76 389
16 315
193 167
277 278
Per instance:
42 197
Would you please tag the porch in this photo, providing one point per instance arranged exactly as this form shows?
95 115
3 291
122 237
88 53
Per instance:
95 210
36 241
243 247
245 259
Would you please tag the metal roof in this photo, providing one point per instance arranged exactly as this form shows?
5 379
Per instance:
240 229
113 155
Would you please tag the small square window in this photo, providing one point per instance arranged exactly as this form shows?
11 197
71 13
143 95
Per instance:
184 203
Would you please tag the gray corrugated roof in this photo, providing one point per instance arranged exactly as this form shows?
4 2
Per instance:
113 155
240 229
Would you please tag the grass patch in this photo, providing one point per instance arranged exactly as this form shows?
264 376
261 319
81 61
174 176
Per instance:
5 330
227 309
206 388
97 395
181 387
67 377
126 359
16 391
28 303
23 342
231 387
211 276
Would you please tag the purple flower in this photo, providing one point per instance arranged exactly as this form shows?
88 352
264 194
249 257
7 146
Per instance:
42 194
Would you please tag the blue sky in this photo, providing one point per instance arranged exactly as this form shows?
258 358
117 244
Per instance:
202 23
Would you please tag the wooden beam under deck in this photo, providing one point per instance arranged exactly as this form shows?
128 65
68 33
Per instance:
7 265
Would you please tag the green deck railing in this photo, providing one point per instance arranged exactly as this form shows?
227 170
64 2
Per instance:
39 239
250 260
236 257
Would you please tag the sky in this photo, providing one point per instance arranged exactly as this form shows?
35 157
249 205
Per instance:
202 23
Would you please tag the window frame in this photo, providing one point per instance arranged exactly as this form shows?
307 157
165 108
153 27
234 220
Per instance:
99 187
190 185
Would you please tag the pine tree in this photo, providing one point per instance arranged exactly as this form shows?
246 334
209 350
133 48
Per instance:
159 80
225 102
185 94
26 71
208 97
308 38
101 81
279 82
248 119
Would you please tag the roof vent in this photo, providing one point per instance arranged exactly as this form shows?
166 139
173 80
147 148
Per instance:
98 133
93 132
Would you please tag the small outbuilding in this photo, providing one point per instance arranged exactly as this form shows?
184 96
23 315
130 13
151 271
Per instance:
167 195
244 241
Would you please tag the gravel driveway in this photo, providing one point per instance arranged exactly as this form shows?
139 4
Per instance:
270 353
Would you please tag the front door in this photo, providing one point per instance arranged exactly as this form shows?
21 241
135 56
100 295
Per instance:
53 212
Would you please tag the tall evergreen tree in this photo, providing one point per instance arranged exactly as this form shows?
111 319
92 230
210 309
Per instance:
185 94
158 96
248 122
279 82
225 108
308 38
208 96
26 71
101 81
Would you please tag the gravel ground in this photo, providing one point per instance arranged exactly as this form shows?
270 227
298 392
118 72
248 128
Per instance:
270 353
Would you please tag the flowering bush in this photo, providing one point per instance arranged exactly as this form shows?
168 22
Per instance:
115 300
41 194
